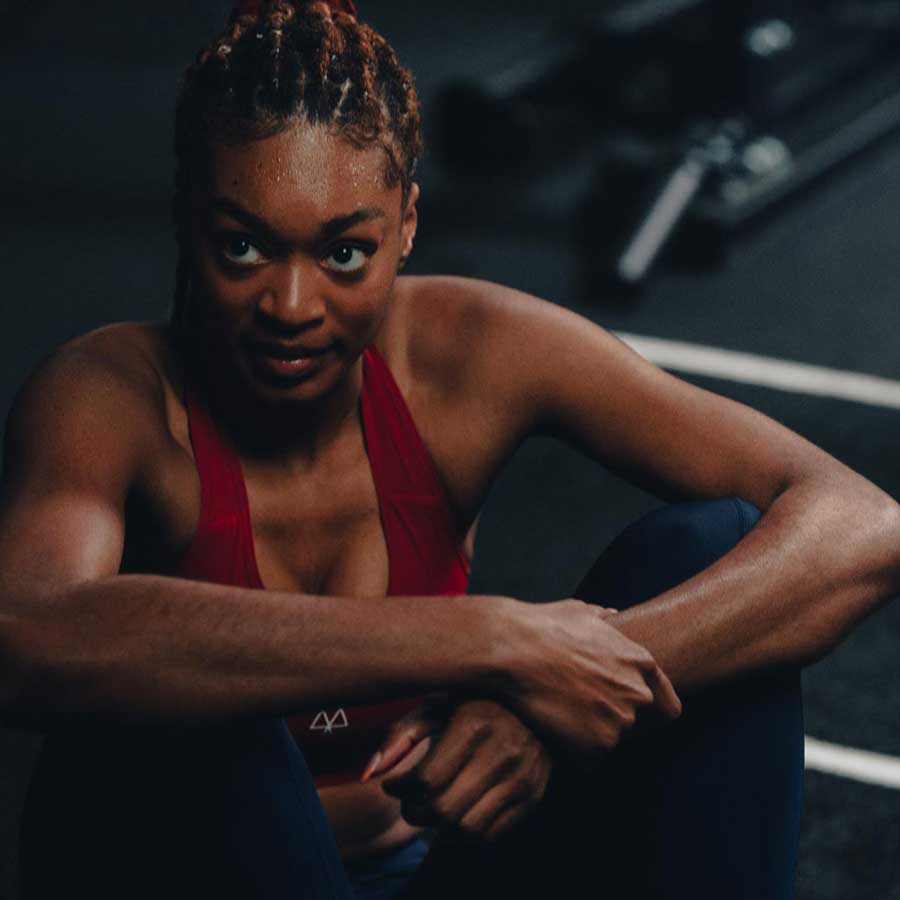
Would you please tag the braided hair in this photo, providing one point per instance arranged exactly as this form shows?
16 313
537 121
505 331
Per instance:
281 62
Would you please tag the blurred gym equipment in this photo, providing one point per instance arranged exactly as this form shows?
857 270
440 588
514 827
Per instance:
703 114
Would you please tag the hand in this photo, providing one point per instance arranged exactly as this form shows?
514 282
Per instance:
484 773
578 681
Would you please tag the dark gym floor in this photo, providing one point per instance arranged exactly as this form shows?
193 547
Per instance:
84 206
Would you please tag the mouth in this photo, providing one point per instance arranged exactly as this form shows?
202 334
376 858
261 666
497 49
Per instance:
285 364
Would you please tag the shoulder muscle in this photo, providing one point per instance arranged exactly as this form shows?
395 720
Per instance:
80 430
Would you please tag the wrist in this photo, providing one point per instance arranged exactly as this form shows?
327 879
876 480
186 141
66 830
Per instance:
501 644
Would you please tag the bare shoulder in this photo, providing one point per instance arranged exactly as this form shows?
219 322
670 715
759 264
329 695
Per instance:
100 391
460 350
455 330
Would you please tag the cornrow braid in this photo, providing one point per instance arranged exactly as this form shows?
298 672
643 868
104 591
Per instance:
279 62
276 32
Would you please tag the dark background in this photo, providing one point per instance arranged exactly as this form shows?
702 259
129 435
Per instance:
88 92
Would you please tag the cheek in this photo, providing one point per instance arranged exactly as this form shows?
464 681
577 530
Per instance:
360 316
366 307
219 299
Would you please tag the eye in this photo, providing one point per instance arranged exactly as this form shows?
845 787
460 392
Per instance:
239 251
347 258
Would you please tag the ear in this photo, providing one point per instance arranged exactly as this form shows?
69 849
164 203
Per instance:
408 225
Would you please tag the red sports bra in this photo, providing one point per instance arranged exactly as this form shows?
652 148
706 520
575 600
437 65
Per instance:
424 552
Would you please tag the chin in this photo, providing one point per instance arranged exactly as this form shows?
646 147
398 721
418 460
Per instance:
278 385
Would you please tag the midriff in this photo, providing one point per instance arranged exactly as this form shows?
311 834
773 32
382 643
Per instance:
365 820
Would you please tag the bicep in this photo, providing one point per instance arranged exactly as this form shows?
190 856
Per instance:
58 536
584 385
66 476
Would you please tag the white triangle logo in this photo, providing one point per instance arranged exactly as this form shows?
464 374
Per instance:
326 723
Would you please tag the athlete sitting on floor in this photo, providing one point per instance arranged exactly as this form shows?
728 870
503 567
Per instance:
246 514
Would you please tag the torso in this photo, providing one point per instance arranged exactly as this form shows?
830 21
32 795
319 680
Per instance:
319 531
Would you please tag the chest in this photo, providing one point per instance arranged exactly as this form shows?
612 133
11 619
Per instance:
319 533
377 517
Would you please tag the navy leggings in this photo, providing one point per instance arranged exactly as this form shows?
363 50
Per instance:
708 806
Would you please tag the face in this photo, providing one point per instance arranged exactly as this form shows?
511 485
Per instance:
296 243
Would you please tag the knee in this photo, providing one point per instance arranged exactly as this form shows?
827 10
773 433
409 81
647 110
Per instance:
664 548
699 530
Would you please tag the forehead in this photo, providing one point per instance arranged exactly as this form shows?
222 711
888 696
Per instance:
304 167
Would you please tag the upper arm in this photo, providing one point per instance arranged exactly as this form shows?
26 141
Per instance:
76 438
562 374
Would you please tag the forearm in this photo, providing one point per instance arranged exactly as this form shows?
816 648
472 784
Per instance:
145 648
823 556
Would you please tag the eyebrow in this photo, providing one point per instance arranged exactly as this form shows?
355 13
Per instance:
327 230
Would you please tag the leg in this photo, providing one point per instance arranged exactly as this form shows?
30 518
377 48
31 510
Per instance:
150 812
724 800
708 807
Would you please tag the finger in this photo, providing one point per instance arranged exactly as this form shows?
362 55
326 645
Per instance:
460 739
664 696
405 780
480 788
400 742
507 819
397 748
498 807
477 778
409 762
454 752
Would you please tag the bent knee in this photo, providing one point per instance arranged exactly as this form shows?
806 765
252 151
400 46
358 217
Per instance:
664 548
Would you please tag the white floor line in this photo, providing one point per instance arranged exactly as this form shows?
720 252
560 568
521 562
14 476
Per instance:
766 371
848 762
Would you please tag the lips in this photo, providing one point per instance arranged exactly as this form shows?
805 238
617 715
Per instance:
285 351
285 362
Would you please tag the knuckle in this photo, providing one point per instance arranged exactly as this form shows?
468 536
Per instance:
425 783
478 730
621 716
513 750
441 812
642 692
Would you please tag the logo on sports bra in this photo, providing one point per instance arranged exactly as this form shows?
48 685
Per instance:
326 723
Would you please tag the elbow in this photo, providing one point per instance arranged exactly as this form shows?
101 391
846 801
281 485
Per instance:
889 521
870 575
877 521
867 527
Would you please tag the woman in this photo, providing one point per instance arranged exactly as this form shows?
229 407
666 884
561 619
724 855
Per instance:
314 425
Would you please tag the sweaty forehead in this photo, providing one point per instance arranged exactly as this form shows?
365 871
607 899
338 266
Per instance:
304 169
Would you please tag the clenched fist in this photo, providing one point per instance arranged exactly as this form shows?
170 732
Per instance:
483 772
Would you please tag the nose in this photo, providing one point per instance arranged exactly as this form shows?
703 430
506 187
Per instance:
291 299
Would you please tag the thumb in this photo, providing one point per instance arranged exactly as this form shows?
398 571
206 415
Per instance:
406 734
